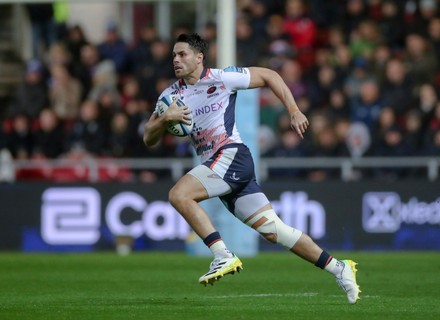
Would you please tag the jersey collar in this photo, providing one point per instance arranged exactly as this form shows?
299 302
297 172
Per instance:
205 74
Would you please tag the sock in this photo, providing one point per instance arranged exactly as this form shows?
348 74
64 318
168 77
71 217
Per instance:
330 264
218 248
335 267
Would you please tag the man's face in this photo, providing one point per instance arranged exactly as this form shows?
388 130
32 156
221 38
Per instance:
185 60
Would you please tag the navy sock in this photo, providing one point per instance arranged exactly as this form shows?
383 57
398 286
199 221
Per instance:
212 238
323 260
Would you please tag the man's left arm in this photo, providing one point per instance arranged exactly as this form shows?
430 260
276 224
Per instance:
263 77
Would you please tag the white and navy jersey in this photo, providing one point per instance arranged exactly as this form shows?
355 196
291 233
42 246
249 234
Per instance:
212 102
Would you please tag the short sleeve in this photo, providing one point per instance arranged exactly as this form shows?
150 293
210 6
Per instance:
236 78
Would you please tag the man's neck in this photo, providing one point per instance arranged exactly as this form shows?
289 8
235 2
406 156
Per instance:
194 77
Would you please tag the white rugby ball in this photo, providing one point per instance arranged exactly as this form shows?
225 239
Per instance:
174 127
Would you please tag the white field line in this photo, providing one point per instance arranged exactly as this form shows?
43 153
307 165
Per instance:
263 295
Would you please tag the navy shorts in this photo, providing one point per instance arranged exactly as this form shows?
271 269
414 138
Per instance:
234 164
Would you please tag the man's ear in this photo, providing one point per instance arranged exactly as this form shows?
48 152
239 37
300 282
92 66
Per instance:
200 57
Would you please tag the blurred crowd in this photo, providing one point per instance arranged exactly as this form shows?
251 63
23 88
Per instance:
365 72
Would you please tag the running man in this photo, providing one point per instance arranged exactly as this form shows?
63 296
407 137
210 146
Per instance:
227 169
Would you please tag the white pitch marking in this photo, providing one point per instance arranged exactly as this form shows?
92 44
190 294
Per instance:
305 294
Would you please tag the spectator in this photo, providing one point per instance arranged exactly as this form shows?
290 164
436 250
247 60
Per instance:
336 37
20 138
50 137
109 102
342 62
413 130
158 67
321 88
85 69
258 17
31 96
338 106
382 54
355 12
88 133
138 115
59 55
392 144
290 146
434 122
104 78
114 48
278 48
129 91
249 46
397 87
365 40
323 58
434 38
267 139
368 106
427 101
390 25
420 60
119 136
275 30
358 139
432 147
291 72
76 40
319 120
326 13
427 11
64 93
209 32
140 54
271 109
385 121
359 74
302 31
327 145
342 125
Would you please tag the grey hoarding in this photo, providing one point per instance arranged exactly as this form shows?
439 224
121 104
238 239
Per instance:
351 216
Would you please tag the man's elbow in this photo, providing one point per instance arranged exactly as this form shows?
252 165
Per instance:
151 138
148 141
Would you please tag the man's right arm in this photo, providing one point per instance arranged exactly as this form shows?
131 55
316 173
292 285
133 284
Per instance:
155 126
154 129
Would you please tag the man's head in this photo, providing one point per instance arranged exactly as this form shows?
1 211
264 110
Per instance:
195 42
189 54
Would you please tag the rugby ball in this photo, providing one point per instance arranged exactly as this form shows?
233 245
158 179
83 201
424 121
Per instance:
174 127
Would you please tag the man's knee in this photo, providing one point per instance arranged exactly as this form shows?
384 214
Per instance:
174 196
270 226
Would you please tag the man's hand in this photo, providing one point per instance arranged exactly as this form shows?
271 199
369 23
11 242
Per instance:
178 113
299 123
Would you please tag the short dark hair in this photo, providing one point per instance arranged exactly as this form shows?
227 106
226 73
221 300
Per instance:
195 42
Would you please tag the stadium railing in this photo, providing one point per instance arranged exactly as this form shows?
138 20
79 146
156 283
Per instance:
101 170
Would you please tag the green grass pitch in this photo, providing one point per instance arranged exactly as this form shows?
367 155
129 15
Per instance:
154 286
